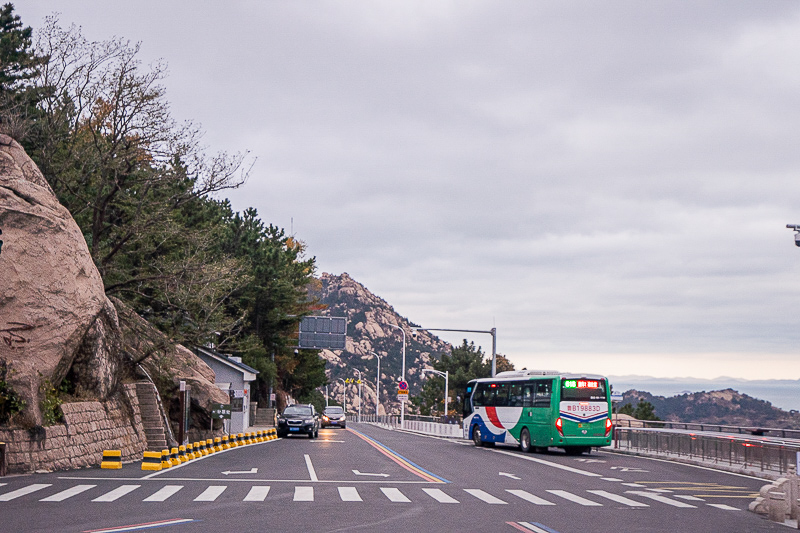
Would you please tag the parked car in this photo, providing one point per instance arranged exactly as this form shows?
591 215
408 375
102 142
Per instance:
299 419
333 416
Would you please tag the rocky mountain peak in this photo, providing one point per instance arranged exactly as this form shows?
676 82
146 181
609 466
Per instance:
373 326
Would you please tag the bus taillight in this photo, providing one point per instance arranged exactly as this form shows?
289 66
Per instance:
608 426
559 426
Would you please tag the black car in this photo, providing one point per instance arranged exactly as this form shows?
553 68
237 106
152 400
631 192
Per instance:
333 416
299 418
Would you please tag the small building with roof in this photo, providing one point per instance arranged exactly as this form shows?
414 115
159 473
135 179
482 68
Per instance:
235 378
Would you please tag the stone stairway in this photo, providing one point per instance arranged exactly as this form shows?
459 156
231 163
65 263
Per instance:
152 420
265 417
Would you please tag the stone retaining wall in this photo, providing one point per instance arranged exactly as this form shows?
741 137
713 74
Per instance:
89 428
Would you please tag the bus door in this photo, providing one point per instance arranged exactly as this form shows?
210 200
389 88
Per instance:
541 413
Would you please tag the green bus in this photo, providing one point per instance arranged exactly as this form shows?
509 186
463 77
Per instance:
536 409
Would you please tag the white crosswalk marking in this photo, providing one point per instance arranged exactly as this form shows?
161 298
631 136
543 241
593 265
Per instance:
660 498
211 493
69 493
163 493
634 485
349 494
395 495
439 496
23 491
257 494
485 496
304 494
689 498
117 493
617 498
528 497
723 507
575 498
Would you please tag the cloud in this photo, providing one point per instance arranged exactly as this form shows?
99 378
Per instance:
604 182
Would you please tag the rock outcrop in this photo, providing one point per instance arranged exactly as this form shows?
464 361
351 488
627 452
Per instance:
55 319
370 321
54 314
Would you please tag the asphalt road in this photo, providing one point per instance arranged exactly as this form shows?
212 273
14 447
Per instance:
370 479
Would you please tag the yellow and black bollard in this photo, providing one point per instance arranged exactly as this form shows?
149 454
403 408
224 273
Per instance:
165 462
151 461
174 457
112 459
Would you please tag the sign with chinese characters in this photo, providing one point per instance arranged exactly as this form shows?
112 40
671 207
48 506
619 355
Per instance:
221 411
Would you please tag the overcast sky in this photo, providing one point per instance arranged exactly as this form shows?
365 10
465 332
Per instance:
607 183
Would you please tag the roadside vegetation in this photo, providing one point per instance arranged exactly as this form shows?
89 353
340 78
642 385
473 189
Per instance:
148 197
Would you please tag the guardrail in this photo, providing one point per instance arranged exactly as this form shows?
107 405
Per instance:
419 426
728 450
694 426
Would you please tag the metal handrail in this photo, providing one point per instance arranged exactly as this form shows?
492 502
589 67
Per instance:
160 406
697 426
739 451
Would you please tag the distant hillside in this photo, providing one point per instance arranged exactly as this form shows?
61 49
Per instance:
724 407
368 330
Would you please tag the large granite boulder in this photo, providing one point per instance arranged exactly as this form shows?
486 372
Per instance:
55 318
54 313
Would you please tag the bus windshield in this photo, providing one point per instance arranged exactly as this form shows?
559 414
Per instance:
583 390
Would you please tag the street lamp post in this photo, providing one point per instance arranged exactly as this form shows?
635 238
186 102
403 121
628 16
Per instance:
377 385
402 376
492 332
359 394
446 376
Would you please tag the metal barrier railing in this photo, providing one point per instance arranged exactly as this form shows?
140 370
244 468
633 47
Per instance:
420 426
723 450
696 426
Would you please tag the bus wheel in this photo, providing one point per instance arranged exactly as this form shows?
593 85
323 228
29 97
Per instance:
525 441
476 436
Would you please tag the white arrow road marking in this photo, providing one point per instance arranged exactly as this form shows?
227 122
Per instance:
358 473
251 471
512 476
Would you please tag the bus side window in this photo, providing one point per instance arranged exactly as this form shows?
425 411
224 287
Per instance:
543 393
479 398
467 410
515 395
501 395
527 395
